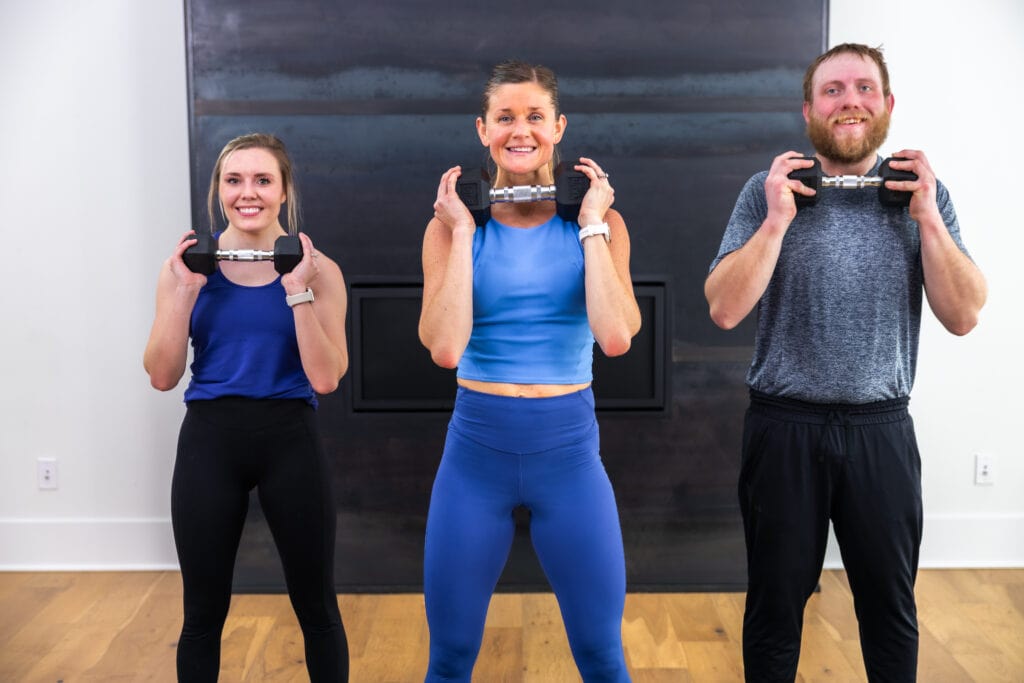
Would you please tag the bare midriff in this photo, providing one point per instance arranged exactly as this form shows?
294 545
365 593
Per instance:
522 390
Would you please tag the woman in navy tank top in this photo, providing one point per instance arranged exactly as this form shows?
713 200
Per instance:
264 344
516 305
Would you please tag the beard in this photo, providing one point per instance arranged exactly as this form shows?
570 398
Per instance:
847 150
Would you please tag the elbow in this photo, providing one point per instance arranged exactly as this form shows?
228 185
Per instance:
445 358
616 344
723 319
445 355
961 326
718 307
161 378
329 383
325 386
615 348
163 383
961 320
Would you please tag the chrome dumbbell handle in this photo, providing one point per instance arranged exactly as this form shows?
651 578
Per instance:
244 255
851 182
522 193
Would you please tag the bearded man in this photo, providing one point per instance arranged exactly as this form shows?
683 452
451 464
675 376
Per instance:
838 287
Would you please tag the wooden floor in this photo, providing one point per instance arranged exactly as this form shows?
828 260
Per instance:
111 627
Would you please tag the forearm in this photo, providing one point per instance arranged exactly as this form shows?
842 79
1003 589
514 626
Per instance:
324 360
447 323
612 310
955 287
446 318
167 348
739 280
165 358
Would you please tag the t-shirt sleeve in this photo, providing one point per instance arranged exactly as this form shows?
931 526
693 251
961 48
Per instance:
747 216
948 213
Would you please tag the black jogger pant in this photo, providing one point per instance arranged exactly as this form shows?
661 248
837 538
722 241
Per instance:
804 464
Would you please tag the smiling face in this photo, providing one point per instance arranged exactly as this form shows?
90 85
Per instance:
521 128
848 114
251 190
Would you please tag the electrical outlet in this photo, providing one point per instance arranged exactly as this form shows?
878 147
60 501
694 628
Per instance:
984 466
46 473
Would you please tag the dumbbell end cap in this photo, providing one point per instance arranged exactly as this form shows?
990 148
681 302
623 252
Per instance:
287 253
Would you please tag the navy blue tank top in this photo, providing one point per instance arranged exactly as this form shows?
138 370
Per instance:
243 341
529 306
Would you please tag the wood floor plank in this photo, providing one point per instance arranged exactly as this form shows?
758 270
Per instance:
123 626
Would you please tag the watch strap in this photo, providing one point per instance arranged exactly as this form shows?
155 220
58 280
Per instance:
300 298
597 229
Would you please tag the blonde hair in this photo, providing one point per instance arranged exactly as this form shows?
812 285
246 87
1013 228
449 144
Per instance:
273 145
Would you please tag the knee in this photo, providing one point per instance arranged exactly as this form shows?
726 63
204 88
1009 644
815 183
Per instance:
451 661
318 616
601 663
202 620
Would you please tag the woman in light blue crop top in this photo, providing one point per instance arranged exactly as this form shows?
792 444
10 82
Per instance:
264 345
516 306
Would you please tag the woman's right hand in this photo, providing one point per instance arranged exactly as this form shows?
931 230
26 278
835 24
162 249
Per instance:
449 207
176 263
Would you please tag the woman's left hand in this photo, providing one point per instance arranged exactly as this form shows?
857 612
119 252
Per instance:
599 198
304 274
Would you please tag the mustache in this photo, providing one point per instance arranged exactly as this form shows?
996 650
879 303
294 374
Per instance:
856 114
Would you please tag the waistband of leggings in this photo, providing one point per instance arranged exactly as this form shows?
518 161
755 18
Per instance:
875 412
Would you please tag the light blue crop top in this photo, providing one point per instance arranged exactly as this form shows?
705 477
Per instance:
243 341
529 306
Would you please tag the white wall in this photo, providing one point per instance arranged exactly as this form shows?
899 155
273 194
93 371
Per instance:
955 69
94 153
94 124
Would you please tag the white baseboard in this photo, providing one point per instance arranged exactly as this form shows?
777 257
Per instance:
962 541
112 544
86 544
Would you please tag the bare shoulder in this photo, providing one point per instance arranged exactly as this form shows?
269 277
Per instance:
616 222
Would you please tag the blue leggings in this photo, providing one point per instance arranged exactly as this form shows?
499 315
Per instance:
500 453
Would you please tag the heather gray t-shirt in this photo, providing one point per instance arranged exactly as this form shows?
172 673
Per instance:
841 317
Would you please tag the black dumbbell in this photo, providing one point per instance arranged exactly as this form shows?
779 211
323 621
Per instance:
475 191
813 178
202 256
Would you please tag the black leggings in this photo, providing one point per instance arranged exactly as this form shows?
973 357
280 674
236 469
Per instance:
227 447
858 466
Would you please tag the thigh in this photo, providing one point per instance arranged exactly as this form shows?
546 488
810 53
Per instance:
209 500
574 526
469 534
878 524
295 491
878 513
785 481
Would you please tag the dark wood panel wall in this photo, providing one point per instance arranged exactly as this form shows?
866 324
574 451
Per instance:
680 101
